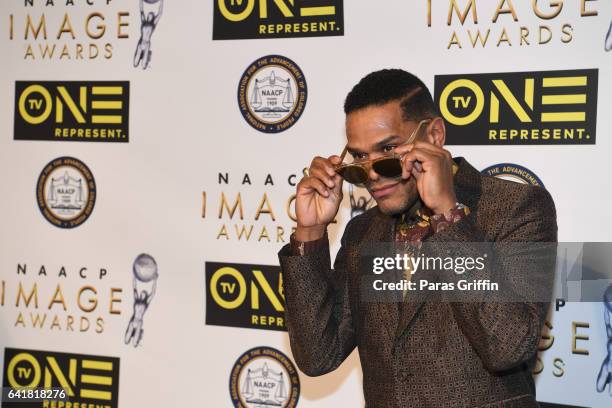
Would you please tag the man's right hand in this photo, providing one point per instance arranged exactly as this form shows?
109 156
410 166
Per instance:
318 198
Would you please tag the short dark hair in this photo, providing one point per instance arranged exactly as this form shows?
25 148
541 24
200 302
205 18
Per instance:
387 85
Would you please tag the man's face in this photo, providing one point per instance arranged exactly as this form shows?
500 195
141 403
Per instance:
373 132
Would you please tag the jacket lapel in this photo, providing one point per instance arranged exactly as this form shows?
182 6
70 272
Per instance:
410 306
380 232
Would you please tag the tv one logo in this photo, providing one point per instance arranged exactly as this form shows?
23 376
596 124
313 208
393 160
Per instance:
86 379
244 19
72 111
240 295
550 107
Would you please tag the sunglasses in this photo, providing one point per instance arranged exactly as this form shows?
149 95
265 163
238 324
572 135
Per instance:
387 166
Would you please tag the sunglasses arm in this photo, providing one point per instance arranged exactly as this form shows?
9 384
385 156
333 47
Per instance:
342 155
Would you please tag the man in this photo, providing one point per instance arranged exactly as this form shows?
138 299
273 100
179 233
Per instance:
148 23
418 351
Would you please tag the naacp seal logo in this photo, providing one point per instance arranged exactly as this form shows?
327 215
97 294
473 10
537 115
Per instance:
66 192
513 172
264 377
272 94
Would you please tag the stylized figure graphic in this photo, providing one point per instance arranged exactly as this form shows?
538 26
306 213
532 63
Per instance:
148 23
145 282
608 44
605 373
358 206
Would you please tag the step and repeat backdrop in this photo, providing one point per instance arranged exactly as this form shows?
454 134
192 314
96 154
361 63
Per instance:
149 153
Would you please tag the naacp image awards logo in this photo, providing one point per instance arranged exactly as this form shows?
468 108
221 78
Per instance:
264 376
66 192
513 172
272 94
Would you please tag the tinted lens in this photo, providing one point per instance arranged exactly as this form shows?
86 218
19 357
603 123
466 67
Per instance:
353 174
390 167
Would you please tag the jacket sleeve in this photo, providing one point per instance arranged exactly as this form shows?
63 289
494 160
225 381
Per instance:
504 327
317 311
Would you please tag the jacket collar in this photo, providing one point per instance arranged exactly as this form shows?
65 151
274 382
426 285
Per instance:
468 186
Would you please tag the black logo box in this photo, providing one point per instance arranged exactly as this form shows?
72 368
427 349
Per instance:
242 315
248 27
476 132
23 130
63 362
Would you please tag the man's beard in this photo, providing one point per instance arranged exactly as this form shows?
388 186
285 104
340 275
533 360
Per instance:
409 195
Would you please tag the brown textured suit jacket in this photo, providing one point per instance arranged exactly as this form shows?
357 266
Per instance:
421 352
